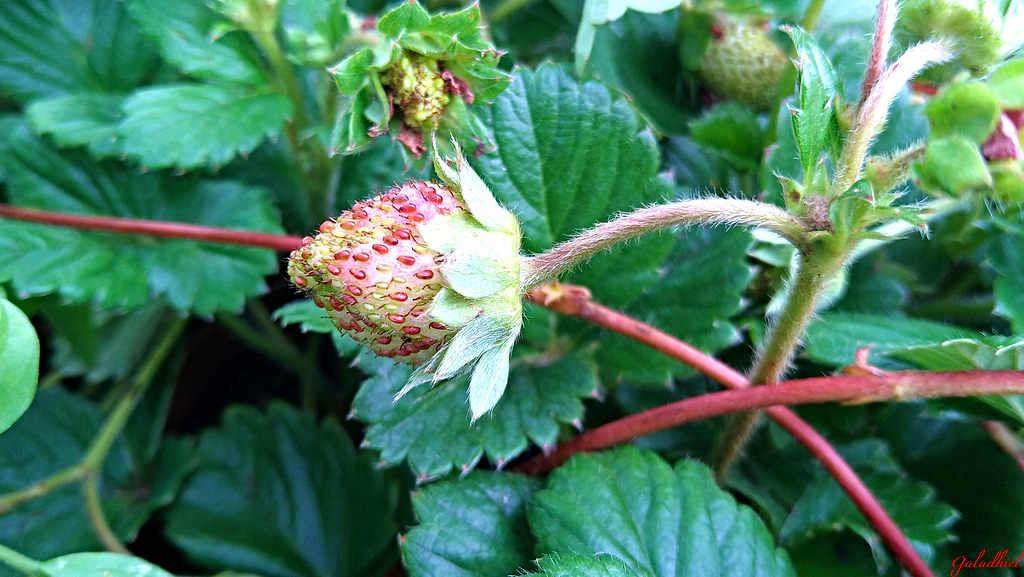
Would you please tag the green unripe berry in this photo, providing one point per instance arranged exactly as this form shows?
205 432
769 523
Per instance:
743 64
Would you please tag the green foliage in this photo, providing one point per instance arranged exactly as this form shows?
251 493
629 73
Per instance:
19 363
823 508
431 429
126 271
55 434
282 457
476 526
815 121
201 451
658 519
101 565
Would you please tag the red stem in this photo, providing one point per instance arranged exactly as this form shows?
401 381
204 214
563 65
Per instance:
154 228
892 386
575 301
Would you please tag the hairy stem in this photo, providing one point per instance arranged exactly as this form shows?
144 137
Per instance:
875 109
881 41
546 267
816 269
154 228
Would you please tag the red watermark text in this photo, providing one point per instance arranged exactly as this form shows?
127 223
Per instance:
999 560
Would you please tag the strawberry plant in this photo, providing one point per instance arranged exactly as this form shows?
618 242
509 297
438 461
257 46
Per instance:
297 288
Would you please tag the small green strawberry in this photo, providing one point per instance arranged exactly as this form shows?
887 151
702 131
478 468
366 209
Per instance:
742 64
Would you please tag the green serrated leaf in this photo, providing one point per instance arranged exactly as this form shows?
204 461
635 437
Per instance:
570 157
824 507
577 565
733 131
834 337
126 337
434 432
52 48
102 565
660 520
125 271
475 527
407 17
311 318
54 434
1006 254
275 494
984 485
307 315
630 55
188 126
19 363
968 110
82 119
679 302
814 121
183 30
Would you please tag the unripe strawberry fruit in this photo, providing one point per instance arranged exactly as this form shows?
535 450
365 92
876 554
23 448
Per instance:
418 89
743 64
375 276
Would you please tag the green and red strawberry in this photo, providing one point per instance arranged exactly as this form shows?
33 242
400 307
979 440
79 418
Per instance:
426 274
374 275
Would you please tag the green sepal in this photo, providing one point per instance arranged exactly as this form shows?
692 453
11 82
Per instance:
445 233
490 377
480 335
482 205
969 110
407 17
350 75
815 120
350 132
485 265
453 309
457 44
463 27
1007 181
